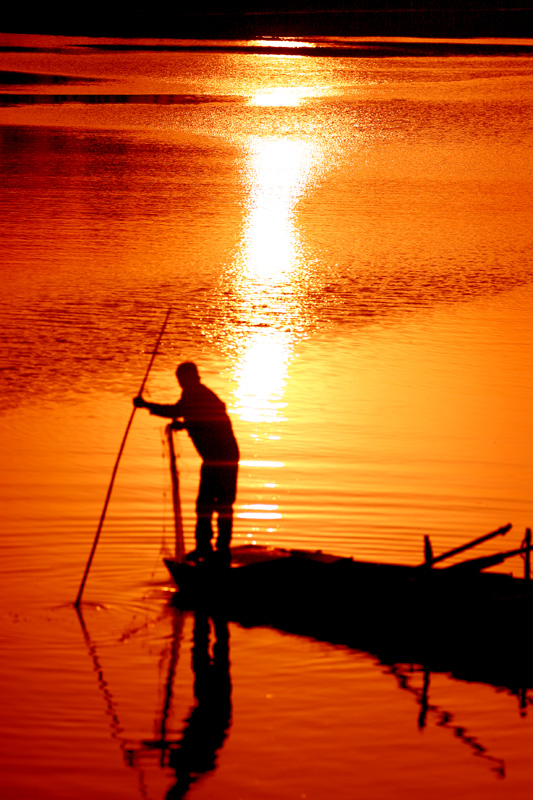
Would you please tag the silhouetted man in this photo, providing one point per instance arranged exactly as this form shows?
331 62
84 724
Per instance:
204 417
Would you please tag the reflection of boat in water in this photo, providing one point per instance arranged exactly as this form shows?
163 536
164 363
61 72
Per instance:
457 619
443 717
189 751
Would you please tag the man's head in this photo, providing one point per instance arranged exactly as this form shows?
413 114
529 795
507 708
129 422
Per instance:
187 375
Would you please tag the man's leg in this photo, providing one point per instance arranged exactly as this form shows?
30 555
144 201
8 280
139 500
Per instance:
226 492
225 528
205 504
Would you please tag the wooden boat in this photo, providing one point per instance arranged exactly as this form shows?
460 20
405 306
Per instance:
458 618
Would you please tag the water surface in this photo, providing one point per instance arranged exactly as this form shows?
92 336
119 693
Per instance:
345 245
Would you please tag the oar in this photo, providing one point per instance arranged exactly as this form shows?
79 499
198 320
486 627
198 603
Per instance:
115 468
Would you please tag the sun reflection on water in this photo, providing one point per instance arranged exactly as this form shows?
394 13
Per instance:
282 96
261 375
280 41
278 172
270 274
269 287
260 511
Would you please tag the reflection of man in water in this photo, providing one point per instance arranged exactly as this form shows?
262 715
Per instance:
207 725
205 419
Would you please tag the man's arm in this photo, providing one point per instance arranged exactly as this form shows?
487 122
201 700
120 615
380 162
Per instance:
171 411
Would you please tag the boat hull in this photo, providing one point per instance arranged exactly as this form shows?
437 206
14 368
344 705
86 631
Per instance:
449 620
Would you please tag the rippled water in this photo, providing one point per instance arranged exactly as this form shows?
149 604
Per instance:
345 245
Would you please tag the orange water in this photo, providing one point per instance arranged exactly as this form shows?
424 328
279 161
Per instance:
345 244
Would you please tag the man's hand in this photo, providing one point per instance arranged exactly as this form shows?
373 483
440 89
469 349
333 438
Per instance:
138 402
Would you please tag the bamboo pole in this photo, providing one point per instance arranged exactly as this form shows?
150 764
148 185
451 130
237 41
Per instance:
115 468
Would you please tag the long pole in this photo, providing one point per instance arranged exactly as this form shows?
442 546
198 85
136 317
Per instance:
115 468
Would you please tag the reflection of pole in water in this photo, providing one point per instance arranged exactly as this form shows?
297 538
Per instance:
445 718
177 628
133 753
116 728
206 728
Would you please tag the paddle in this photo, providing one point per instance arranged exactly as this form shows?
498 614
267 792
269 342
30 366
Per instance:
115 468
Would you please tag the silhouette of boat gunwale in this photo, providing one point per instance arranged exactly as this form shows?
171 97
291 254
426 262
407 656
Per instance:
457 619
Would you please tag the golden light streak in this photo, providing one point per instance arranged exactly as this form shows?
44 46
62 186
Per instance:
278 172
280 43
282 96
260 511
263 463
261 376
269 281
269 276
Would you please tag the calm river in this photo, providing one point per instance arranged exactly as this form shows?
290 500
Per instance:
345 243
